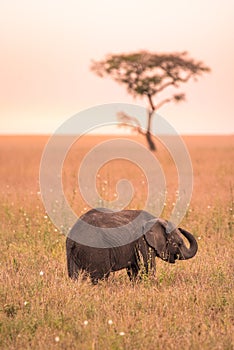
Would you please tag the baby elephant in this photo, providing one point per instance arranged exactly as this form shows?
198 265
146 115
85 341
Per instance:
103 241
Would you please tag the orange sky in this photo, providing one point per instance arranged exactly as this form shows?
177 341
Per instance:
47 46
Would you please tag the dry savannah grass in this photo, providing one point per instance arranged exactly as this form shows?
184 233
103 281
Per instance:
190 305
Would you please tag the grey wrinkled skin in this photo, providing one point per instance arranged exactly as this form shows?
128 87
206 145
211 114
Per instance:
159 239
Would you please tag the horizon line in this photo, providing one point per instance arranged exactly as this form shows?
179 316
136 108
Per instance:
113 134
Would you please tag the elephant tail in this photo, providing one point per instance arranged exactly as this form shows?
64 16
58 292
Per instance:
72 266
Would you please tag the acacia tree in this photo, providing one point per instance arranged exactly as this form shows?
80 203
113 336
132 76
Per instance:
146 75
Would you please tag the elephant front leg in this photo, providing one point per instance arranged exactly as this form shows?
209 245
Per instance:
132 271
147 263
152 262
95 277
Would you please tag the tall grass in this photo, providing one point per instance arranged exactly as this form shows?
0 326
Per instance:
190 305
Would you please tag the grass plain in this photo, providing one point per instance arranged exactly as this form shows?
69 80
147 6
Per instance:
190 305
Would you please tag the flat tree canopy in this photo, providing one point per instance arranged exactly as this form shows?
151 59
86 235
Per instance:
146 74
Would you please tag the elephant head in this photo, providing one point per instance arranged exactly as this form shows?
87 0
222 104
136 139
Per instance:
167 242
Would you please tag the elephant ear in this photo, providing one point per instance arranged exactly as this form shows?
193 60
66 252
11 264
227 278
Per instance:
155 234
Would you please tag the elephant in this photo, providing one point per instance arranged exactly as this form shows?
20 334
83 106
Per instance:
148 237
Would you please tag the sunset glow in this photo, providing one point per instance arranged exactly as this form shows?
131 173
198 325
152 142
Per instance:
47 48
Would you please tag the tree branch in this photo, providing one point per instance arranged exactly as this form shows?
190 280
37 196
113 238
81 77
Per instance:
151 102
129 121
164 86
138 129
184 80
125 118
163 102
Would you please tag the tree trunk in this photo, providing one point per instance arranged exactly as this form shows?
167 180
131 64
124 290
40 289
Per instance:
151 143
148 134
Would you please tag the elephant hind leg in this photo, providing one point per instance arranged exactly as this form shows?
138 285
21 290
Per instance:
73 269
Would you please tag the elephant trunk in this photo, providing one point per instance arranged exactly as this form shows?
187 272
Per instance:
188 253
